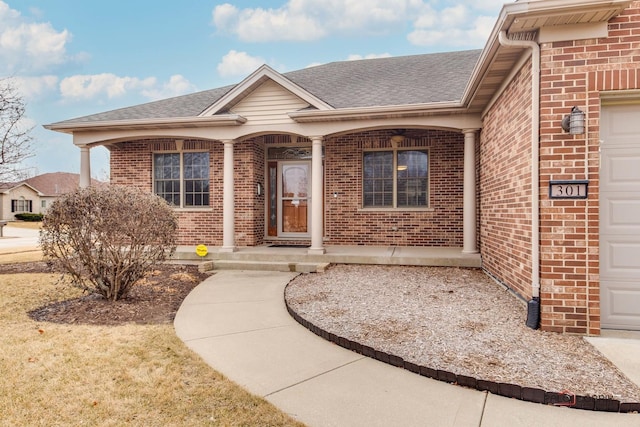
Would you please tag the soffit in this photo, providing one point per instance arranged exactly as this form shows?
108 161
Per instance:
577 14
522 20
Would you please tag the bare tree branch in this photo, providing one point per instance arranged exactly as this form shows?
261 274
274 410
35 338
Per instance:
15 138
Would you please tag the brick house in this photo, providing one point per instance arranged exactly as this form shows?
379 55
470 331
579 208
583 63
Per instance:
460 149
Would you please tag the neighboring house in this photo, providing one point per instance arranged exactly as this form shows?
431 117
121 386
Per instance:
16 198
53 185
35 195
460 149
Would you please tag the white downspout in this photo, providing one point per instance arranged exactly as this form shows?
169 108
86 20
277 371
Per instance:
535 156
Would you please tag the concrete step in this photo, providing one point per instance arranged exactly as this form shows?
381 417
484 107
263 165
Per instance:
297 267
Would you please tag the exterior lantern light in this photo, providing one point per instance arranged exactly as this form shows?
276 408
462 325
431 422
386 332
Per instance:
574 122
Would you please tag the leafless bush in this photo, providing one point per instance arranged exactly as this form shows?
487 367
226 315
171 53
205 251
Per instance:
106 239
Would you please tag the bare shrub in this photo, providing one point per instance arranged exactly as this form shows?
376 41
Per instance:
106 239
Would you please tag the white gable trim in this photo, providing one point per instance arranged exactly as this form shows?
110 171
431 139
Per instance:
22 184
254 80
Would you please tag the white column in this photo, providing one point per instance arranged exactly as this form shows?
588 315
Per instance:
469 206
85 167
317 220
228 215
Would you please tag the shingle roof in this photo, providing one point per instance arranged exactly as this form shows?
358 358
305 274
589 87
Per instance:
182 106
403 80
57 183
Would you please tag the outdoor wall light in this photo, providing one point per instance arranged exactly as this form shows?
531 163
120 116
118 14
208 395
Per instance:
574 122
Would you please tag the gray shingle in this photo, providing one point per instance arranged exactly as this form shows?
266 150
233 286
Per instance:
416 79
182 106
402 80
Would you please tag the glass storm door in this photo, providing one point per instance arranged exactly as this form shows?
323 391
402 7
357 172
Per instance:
294 198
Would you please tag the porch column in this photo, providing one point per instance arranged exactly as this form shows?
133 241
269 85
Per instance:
228 199
317 221
469 206
85 167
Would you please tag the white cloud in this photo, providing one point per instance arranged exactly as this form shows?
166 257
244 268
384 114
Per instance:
28 46
84 87
7 14
176 86
452 22
301 20
356 57
236 64
225 16
458 25
266 24
99 86
492 6
34 87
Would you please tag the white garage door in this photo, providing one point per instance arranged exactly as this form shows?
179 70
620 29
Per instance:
620 217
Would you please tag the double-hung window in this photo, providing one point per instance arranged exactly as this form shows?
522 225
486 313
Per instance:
395 179
182 179
21 205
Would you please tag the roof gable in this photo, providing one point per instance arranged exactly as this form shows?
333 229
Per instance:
269 103
255 81
9 187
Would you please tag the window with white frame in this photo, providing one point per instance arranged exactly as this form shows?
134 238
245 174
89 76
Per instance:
182 179
395 179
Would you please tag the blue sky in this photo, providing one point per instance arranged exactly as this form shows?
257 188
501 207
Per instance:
72 58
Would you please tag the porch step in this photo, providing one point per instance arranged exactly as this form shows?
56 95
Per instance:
297 267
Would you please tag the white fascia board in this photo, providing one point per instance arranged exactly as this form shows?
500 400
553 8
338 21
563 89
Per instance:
23 184
573 32
376 112
555 5
172 122
256 78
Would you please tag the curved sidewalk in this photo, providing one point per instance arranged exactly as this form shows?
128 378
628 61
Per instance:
238 323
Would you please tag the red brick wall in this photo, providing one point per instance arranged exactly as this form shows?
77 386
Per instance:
573 74
131 164
348 224
505 183
249 207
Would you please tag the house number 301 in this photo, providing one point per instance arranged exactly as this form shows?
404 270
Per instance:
568 189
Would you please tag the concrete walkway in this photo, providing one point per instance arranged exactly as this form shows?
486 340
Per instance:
16 239
238 323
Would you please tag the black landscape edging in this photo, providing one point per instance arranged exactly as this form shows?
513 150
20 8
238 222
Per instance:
527 394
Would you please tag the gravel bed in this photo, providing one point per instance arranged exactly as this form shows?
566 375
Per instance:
453 319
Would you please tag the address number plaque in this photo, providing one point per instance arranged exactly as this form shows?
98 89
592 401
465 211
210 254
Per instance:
568 189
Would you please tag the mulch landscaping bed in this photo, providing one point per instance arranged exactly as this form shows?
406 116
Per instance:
154 299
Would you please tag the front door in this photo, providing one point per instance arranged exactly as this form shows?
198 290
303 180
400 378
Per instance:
290 201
